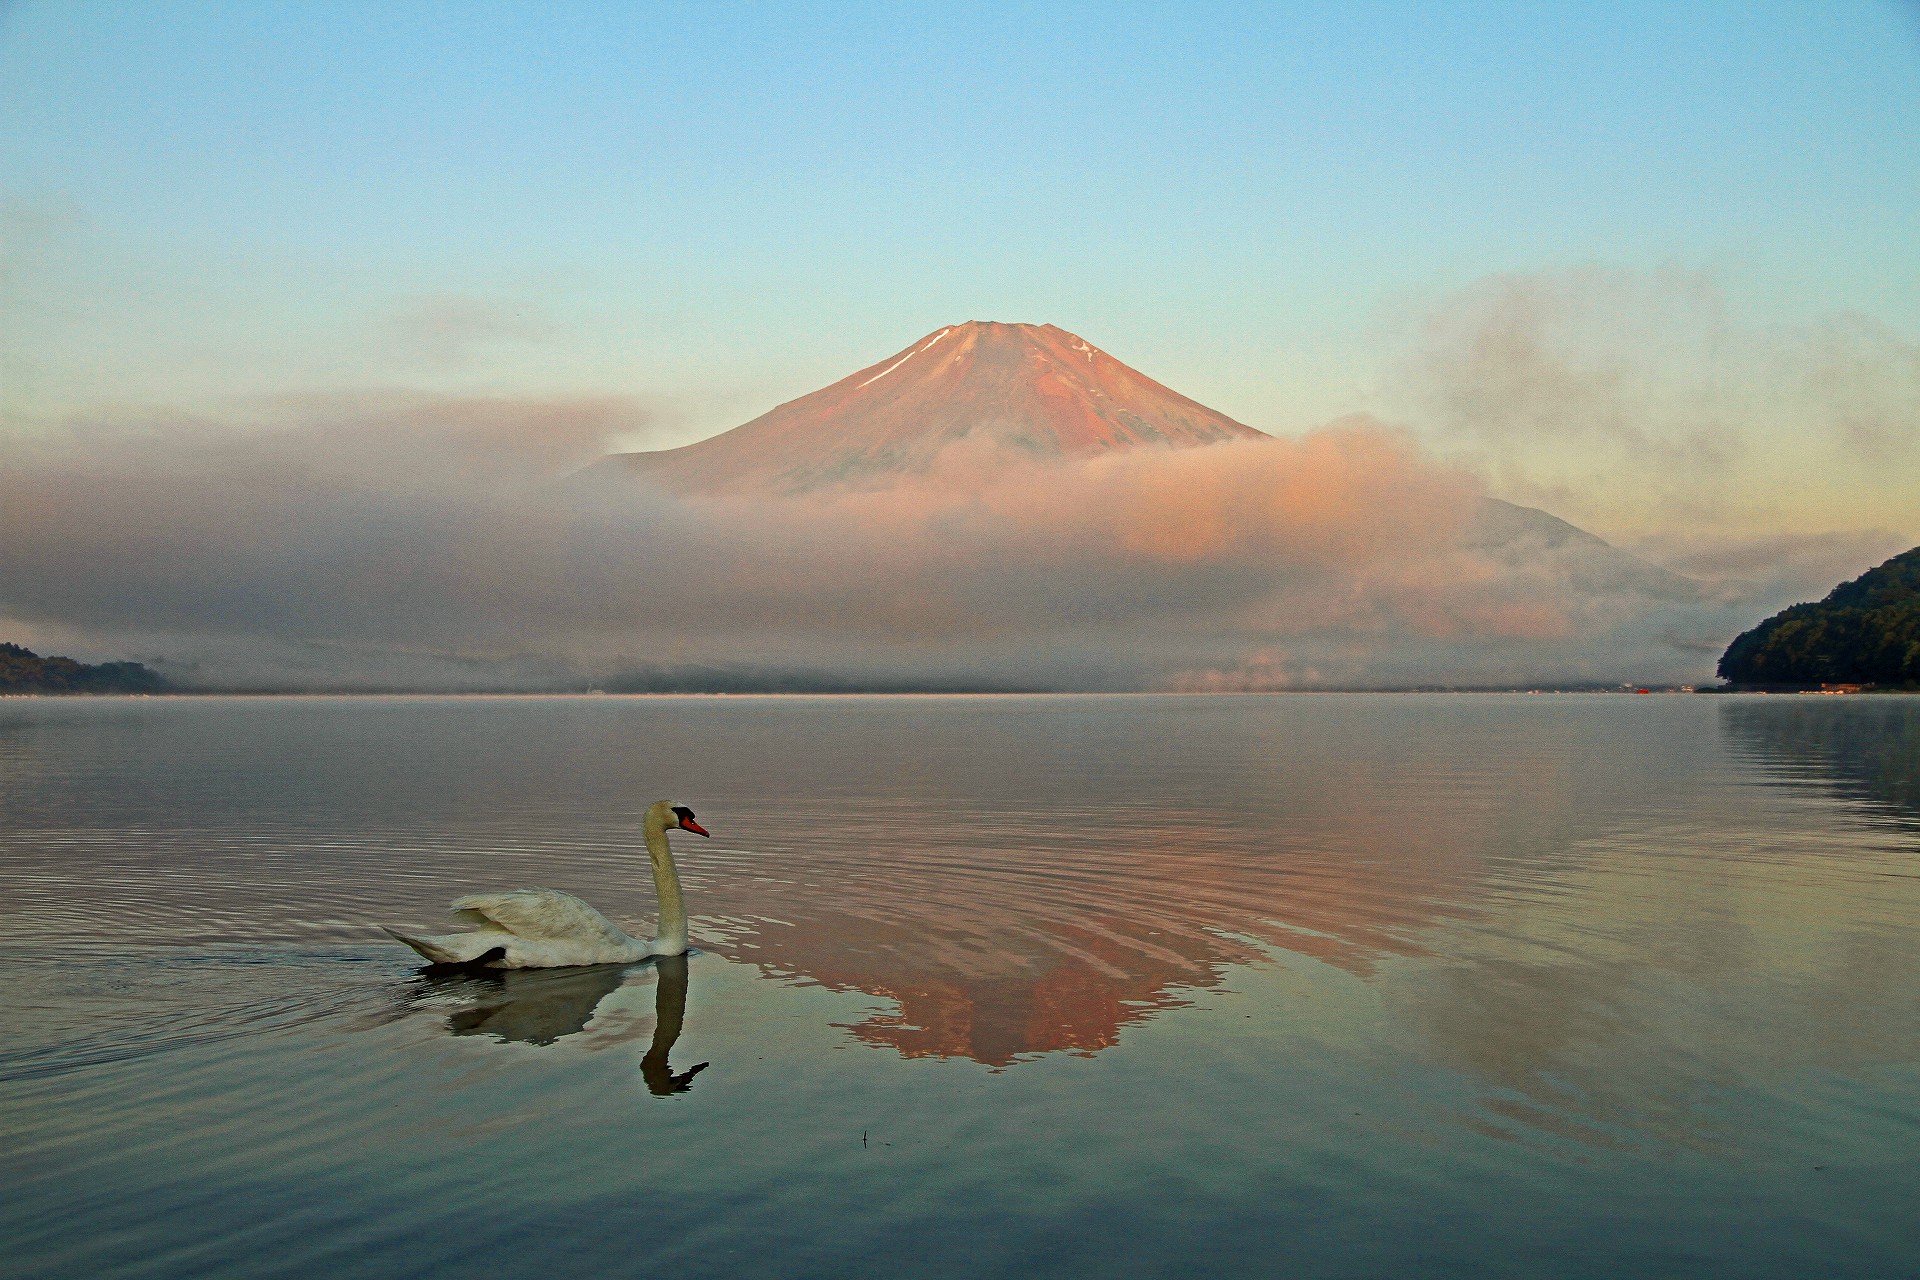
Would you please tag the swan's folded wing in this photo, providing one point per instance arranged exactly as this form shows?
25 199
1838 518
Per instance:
539 915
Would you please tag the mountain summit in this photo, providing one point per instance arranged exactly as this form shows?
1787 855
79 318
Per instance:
1032 387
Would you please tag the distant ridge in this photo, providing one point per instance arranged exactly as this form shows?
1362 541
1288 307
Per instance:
1519 535
1034 388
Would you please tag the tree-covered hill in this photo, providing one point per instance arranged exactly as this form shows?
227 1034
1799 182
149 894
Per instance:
1865 632
24 671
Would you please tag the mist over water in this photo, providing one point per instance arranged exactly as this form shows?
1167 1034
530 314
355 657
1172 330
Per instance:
408 543
1349 984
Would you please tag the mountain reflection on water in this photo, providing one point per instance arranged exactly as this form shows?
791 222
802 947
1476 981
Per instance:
1534 880
1403 985
1569 915
997 945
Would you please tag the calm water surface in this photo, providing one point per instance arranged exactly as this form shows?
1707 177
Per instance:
1343 986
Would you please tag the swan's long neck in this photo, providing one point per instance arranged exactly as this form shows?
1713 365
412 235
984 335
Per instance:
670 935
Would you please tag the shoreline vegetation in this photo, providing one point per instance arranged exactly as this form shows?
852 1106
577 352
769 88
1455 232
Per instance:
1864 636
24 671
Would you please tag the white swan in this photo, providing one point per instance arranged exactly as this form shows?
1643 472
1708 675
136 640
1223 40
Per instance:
547 929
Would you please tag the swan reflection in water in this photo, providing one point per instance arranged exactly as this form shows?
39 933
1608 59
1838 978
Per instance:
545 1006
669 1011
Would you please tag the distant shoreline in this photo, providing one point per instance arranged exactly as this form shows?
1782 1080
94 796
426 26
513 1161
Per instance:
1543 691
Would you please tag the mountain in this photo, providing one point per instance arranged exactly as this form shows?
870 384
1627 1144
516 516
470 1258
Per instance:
1046 393
1516 536
1866 631
1034 387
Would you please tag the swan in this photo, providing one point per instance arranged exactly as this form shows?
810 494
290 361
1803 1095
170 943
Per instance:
547 929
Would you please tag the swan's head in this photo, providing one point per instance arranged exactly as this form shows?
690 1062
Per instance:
678 815
670 815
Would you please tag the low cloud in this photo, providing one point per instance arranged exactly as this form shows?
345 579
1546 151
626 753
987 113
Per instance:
1641 402
408 542
1781 568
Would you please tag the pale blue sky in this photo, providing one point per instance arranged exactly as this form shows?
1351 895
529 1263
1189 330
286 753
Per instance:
713 209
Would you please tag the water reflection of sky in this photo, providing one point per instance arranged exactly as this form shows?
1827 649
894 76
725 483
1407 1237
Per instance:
1625 925
1019 877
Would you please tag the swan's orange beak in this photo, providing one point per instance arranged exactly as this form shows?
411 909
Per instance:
688 824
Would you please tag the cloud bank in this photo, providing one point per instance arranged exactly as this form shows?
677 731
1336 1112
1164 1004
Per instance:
1642 404
413 542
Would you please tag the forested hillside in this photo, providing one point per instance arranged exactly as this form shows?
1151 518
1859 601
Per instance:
24 671
1866 631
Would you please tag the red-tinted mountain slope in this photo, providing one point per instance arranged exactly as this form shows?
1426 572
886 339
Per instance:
1031 387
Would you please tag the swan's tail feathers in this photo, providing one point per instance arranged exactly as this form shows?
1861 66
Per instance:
454 948
429 948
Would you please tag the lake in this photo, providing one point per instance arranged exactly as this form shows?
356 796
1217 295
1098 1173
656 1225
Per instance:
1307 985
